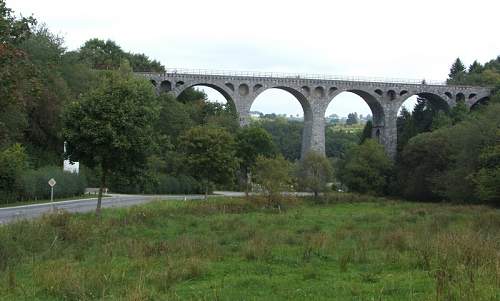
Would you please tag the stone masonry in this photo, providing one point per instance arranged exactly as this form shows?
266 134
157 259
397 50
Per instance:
315 93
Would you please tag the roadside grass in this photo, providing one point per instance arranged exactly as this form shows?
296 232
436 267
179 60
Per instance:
348 247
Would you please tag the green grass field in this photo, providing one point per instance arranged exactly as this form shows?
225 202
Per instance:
350 248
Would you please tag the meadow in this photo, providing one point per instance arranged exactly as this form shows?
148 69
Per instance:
348 247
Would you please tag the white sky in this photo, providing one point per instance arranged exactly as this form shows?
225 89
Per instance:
395 39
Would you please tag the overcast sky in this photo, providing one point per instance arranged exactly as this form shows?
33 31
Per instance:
394 39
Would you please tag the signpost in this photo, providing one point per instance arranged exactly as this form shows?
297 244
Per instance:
52 183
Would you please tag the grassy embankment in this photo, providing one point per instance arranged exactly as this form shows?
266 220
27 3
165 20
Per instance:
352 248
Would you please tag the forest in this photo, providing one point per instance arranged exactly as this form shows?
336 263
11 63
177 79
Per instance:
191 145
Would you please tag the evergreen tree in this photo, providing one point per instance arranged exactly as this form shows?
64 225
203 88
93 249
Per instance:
457 71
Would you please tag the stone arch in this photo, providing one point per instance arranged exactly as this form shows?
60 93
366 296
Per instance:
222 89
243 90
306 108
373 103
256 88
479 102
302 99
153 82
332 90
165 86
319 92
306 90
391 94
440 99
460 97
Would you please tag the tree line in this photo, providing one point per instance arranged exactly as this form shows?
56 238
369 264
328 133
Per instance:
131 140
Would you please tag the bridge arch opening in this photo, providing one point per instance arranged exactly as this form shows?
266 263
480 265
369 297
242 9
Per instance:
420 113
214 94
216 104
345 118
480 103
286 114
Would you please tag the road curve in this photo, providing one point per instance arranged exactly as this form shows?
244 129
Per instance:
10 214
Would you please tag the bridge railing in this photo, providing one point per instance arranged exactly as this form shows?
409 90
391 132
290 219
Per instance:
281 75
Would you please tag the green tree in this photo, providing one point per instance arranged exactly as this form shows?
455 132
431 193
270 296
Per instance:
15 75
457 72
338 141
487 178
366 168
422 160
352 118
367 131
210 155
315 170
286 134
252 142
111 127
273 174
102 55
13 163
475 67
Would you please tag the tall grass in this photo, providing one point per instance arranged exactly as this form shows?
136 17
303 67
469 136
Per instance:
233 249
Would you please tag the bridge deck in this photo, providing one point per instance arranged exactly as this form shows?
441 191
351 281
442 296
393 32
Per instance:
179 72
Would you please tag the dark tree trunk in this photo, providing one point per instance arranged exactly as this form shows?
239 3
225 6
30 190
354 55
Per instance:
101 188
247 182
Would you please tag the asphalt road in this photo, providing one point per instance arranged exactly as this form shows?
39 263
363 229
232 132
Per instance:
10 214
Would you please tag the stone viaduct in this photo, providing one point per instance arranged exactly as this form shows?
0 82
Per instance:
315 92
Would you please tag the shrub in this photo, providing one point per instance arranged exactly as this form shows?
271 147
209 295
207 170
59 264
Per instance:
13 161
366 168
34 183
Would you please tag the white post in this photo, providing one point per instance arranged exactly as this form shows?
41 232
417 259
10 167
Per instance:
52 197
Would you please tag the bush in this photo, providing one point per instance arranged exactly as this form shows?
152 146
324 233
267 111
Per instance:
35 185
177 185
13 161
366 168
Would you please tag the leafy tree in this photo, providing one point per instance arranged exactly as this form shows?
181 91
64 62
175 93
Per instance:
352 118
286 135
12 30
252 142
273 174
15 74
142 63
423 158
338 141
13 162
107 55
315 170
366 168
111 127
47 96
367 131
487 178
174 117
441 164
210 155
102 55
